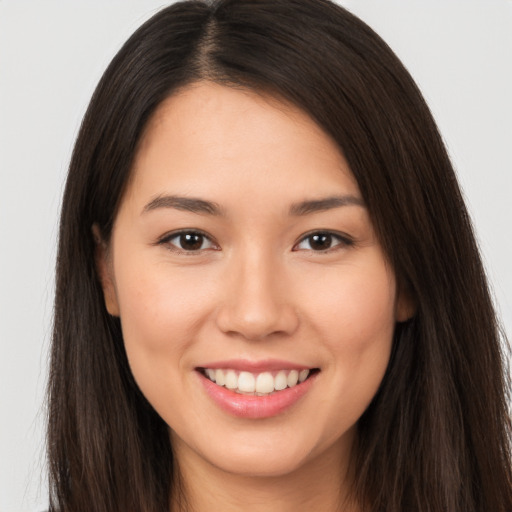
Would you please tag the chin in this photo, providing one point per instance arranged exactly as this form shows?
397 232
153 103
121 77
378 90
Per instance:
262 464
271 457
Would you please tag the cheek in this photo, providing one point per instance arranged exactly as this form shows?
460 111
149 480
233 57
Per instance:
356 321
369 314
154 296
357 305
161 312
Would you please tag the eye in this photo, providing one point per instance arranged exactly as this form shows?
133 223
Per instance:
322 241
188 241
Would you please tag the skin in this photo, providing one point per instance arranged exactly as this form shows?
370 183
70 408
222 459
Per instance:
255 289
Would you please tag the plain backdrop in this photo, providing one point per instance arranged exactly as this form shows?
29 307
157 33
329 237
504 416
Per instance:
52 54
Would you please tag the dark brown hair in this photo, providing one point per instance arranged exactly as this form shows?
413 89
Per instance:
436 437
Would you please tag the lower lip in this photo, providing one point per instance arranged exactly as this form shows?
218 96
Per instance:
256 407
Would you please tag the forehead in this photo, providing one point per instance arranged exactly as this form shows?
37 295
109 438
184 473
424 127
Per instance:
208 136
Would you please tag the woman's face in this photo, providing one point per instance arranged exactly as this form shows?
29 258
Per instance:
243 253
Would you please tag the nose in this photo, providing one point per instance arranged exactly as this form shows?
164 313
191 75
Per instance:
256 301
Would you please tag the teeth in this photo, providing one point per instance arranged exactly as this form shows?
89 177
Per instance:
231 380
303 375
293 378
220 378
246 382
281 381
264 383
260 384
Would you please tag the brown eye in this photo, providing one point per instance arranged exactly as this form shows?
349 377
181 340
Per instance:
191 241
188 241
320 242
323 241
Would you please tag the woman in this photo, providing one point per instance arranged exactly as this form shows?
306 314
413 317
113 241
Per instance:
268 291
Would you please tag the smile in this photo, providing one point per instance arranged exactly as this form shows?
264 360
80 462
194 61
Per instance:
256 389
256 384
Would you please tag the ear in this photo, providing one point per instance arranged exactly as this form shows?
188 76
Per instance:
406 304
104 271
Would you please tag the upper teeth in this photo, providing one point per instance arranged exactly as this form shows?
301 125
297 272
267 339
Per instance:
259 383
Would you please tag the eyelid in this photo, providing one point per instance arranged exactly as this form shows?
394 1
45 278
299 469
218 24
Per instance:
167 237
343 239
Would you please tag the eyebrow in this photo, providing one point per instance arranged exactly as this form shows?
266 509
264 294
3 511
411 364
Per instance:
200 206
188 204
327 203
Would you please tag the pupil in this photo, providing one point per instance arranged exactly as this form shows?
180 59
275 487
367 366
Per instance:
191 241
321 241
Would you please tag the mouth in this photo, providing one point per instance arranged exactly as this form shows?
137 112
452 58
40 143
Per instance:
252 389
259 384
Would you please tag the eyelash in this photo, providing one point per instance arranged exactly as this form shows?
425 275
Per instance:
166 240
343 241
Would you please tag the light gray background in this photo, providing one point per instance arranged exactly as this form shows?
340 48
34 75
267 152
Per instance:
52 54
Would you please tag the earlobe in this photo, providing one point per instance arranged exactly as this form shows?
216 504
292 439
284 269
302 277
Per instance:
104 271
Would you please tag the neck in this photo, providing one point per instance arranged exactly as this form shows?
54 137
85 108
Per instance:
321 484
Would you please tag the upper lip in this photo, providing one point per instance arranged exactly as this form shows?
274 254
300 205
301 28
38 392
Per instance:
255 366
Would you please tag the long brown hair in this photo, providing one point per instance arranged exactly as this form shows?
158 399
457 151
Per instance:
436 437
